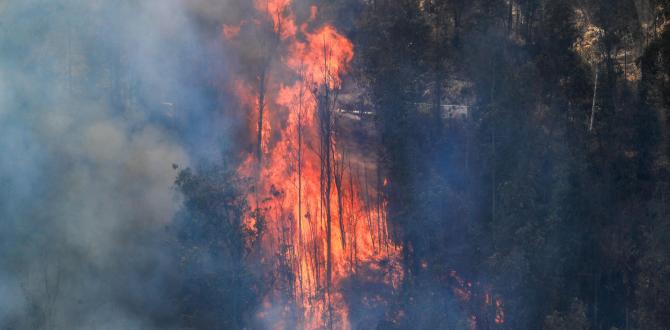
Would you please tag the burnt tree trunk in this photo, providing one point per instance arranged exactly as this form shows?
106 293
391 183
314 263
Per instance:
339 173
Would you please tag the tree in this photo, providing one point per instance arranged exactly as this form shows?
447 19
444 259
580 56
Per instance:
220 287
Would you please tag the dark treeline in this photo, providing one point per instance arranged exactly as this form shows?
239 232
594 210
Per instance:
552 188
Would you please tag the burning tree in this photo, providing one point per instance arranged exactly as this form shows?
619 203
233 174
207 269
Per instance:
299 172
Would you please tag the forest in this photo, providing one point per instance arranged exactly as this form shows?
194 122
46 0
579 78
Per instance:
334 164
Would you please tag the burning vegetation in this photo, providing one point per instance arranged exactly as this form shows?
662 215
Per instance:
318 208
334 164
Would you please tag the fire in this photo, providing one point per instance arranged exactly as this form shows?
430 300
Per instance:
319 208
230 31
484 307
500 312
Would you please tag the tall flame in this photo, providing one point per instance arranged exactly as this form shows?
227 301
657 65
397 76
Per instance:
319 209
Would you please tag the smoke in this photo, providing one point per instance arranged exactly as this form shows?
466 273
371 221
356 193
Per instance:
98 100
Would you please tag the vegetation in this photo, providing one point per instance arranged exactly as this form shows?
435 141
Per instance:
551 188
381 164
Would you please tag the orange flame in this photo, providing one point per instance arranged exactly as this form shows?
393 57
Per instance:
289 192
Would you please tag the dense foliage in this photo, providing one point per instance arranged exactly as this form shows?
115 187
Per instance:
553 189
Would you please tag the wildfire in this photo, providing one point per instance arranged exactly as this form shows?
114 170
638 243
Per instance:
486 305
319 211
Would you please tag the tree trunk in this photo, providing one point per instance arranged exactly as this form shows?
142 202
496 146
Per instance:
493 177
261 108
339 173
593 103
509 17
300 240
324 112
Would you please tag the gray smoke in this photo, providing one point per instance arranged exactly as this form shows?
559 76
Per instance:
96 105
